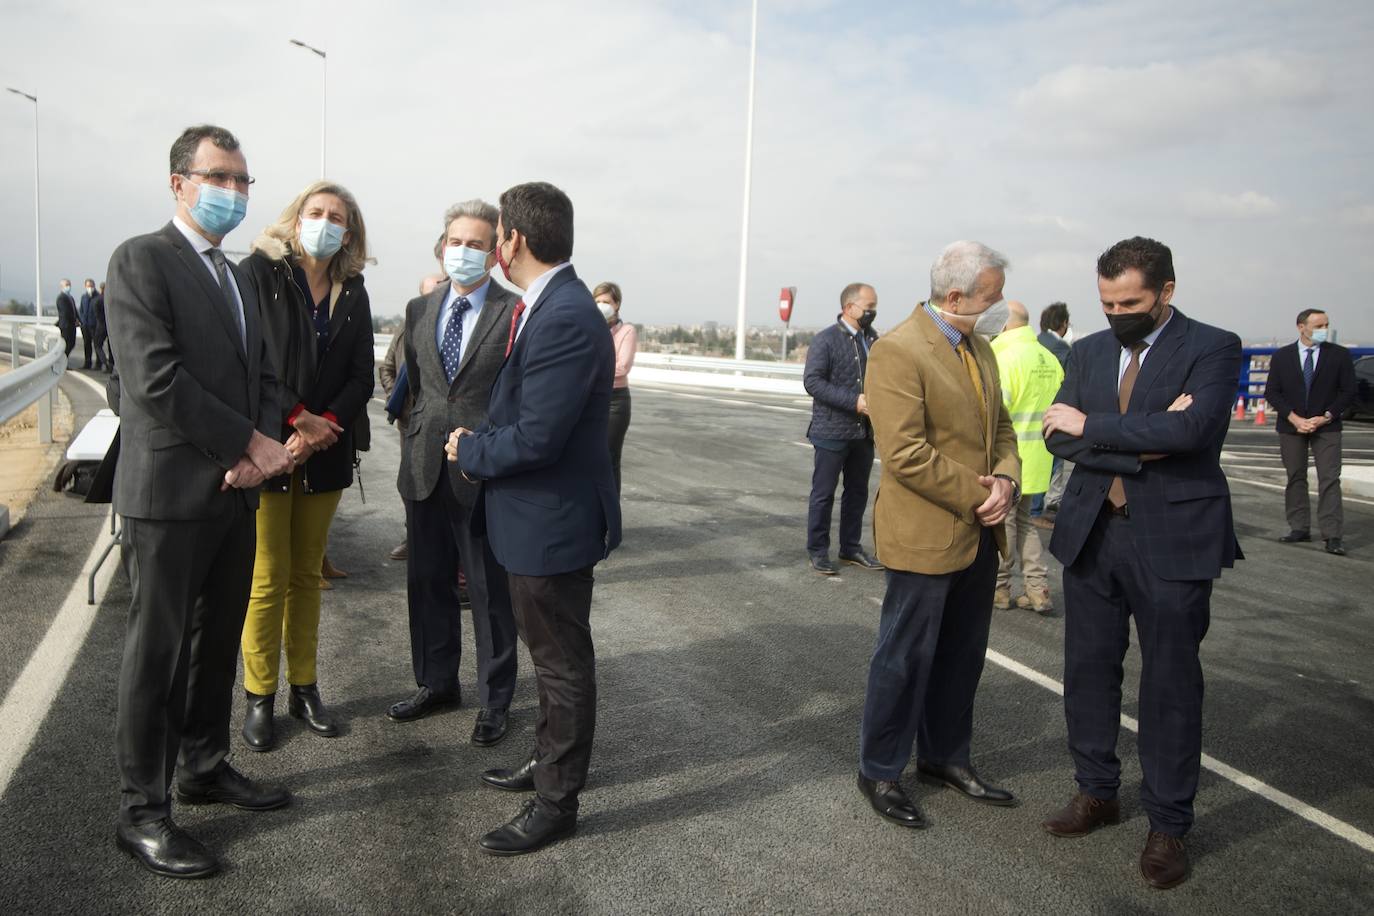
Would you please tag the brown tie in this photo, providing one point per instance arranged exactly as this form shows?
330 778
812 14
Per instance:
514 325
1116 494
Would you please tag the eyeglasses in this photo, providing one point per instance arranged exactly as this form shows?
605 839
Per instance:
222 178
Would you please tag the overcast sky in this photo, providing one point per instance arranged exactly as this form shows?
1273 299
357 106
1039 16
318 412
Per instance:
1237 132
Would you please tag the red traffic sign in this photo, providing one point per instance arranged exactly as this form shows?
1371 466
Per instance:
786 300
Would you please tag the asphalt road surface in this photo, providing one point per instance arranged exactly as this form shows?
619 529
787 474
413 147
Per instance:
731 683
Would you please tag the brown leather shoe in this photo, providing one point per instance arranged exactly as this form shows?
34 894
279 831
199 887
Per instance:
329 571
1164 861
1082 815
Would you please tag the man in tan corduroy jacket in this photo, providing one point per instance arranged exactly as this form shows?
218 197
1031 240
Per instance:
950 473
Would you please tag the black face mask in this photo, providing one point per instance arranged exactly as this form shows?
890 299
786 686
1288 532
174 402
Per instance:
1133 327
866 319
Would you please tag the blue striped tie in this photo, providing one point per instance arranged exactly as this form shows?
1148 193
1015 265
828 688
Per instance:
1308 370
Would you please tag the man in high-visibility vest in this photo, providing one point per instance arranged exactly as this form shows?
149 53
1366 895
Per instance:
1031 376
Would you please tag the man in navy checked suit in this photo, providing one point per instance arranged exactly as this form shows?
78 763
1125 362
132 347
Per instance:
1143 530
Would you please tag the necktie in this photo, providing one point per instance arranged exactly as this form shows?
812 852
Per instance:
974 376
1116 494
514 324
222 273
452 348
1308 370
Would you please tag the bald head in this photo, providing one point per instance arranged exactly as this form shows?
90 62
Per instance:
1019 316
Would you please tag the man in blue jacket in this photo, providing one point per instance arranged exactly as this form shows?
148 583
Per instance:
548 499
840 429
1144 529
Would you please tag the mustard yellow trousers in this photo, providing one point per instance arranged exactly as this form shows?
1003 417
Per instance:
284 604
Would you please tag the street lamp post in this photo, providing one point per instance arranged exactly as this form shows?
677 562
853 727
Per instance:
740 329
324 90
37 222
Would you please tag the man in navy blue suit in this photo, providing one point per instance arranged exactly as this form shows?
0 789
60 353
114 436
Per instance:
1143 530
548 500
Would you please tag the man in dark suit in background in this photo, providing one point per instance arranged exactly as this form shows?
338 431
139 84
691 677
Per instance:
1054 331
66 315
85 313
548 499
1311 383
455 342
1144 529
198 415
840 430
102 331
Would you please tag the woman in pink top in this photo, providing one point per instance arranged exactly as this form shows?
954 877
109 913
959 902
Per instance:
626 339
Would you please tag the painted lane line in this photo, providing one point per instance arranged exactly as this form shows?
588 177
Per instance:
1293 805
1345 497
32 694
731 401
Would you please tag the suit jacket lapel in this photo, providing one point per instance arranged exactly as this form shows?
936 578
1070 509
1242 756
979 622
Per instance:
566 275
427 347
952 363
252 320
493 310
209 284
1159 354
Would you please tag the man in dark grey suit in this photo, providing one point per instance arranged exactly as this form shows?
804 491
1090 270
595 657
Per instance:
198 418
455 343
66 315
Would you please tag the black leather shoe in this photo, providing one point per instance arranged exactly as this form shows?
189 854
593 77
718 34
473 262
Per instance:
963 779
530 830
521 779
422 704
823 565
165 849
1294 537
305 703
228 786
1334 547
491 725
258 732
892 803
862 558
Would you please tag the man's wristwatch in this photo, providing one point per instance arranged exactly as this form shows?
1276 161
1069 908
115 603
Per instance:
1015 488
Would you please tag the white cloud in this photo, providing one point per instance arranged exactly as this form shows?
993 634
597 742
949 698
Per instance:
1214 205
1091 108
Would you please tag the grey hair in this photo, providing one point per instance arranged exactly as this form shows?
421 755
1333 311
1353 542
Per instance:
959 265
851 292
475 209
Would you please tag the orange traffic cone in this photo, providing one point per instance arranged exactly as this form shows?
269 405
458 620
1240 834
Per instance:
1240 408
1259 413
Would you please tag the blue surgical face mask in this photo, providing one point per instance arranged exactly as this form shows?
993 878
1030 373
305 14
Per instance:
219 210
1319 335
465 265
320 238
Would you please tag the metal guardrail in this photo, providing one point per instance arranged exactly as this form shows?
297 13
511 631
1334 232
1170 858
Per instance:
37 380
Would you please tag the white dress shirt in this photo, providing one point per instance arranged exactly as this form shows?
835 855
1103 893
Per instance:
534 291
1316 349
1149 342
202 246
476 299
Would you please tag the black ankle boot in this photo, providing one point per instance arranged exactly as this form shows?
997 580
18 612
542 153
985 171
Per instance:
257 721
305 703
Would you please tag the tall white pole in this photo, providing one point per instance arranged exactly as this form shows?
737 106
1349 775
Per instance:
324 93
324 96
740 329
37 229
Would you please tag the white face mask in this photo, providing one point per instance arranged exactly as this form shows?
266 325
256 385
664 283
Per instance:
607 311
1068 335
991 321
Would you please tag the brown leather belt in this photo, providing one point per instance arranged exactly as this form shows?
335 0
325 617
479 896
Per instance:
1118 511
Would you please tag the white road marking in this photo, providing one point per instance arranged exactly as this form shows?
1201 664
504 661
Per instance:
809 445
732 401
32 694
1293 805
1345 497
